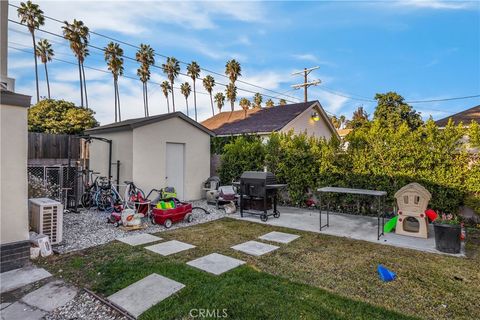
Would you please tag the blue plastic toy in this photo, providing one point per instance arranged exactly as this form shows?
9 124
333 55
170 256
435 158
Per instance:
385 274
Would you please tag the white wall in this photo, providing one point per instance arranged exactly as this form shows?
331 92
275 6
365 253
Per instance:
150 159
13 174
122 147
305 123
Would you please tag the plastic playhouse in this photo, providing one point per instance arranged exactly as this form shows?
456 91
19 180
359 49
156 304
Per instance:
412 201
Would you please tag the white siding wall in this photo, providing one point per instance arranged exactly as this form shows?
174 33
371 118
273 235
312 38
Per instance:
304 123
149 145
122 147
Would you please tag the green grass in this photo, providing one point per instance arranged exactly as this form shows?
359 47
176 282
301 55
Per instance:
314 277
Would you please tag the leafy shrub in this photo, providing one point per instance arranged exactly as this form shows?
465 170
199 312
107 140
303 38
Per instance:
38 189
378 157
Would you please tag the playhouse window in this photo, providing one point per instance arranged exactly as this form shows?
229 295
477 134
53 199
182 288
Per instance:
417 199
405 199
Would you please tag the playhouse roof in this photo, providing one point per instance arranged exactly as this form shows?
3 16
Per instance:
414 187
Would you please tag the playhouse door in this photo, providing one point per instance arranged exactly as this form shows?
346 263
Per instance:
175 168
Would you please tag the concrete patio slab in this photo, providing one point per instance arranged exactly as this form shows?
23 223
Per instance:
349 226
280 237
255 248
18 278
18 310
169 247
143 294
51 296
215 263
139 239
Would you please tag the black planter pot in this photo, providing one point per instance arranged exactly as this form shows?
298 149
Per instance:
447 237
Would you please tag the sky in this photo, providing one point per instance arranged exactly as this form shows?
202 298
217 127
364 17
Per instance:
423 50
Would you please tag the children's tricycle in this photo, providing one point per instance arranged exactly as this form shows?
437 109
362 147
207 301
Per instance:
170 210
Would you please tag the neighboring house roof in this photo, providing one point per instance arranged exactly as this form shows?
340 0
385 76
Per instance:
465 117
343 132
256 120
139 122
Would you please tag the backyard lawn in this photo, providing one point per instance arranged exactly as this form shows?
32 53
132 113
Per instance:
314 277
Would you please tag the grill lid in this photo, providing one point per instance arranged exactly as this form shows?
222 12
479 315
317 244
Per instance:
260 175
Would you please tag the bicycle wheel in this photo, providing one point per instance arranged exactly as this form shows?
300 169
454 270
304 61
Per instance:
86 200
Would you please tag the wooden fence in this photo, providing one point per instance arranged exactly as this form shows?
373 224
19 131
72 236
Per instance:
55 146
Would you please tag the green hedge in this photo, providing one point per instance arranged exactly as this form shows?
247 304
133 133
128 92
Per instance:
376 158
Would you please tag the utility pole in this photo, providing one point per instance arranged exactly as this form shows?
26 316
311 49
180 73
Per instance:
305 83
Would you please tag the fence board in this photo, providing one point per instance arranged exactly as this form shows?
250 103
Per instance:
53 146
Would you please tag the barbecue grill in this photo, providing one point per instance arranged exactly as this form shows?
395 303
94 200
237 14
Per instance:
258 192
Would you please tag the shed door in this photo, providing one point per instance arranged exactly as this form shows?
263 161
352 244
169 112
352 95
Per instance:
175 170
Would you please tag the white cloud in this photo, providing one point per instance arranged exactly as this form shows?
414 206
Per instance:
437 4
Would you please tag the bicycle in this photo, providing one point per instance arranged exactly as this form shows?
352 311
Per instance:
87 198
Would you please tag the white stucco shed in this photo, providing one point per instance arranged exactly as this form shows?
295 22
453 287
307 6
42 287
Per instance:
155 152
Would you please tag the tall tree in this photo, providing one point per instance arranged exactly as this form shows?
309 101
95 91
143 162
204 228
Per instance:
233 70
220 101
146 57
114 59
31 15
185 89
171 68
282 102
257 100
193 70
231 93
45 52
165 89
359 118
245 104
392 110
208 84
269 103
77 33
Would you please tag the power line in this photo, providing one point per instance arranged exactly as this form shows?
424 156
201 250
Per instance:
180 61
444 99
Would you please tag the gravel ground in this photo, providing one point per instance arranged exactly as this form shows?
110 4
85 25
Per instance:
85 306
90 228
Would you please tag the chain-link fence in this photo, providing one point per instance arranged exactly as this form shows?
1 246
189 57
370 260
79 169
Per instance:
62 183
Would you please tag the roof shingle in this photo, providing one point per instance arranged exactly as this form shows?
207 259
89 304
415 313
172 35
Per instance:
255 120
465 117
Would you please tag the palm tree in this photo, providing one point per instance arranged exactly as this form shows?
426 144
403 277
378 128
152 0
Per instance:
45 52
186 90
269 103
31 15
77 33
233 70
113 57
282 102
165 89
208 84
257 100
193 70
245 104
146 56
220 101
171 69
231 93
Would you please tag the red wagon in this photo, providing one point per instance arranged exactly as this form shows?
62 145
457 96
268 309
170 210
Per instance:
181 212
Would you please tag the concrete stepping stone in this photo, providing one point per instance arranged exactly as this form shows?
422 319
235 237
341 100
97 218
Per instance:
139 239
18 310
18 278
255 248
51 296
143 294
169 247
280 237
215 263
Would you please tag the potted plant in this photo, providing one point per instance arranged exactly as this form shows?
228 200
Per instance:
447 233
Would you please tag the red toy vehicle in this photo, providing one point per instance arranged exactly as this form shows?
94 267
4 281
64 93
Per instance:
182 211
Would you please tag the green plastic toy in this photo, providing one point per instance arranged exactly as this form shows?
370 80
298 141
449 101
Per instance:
390 225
